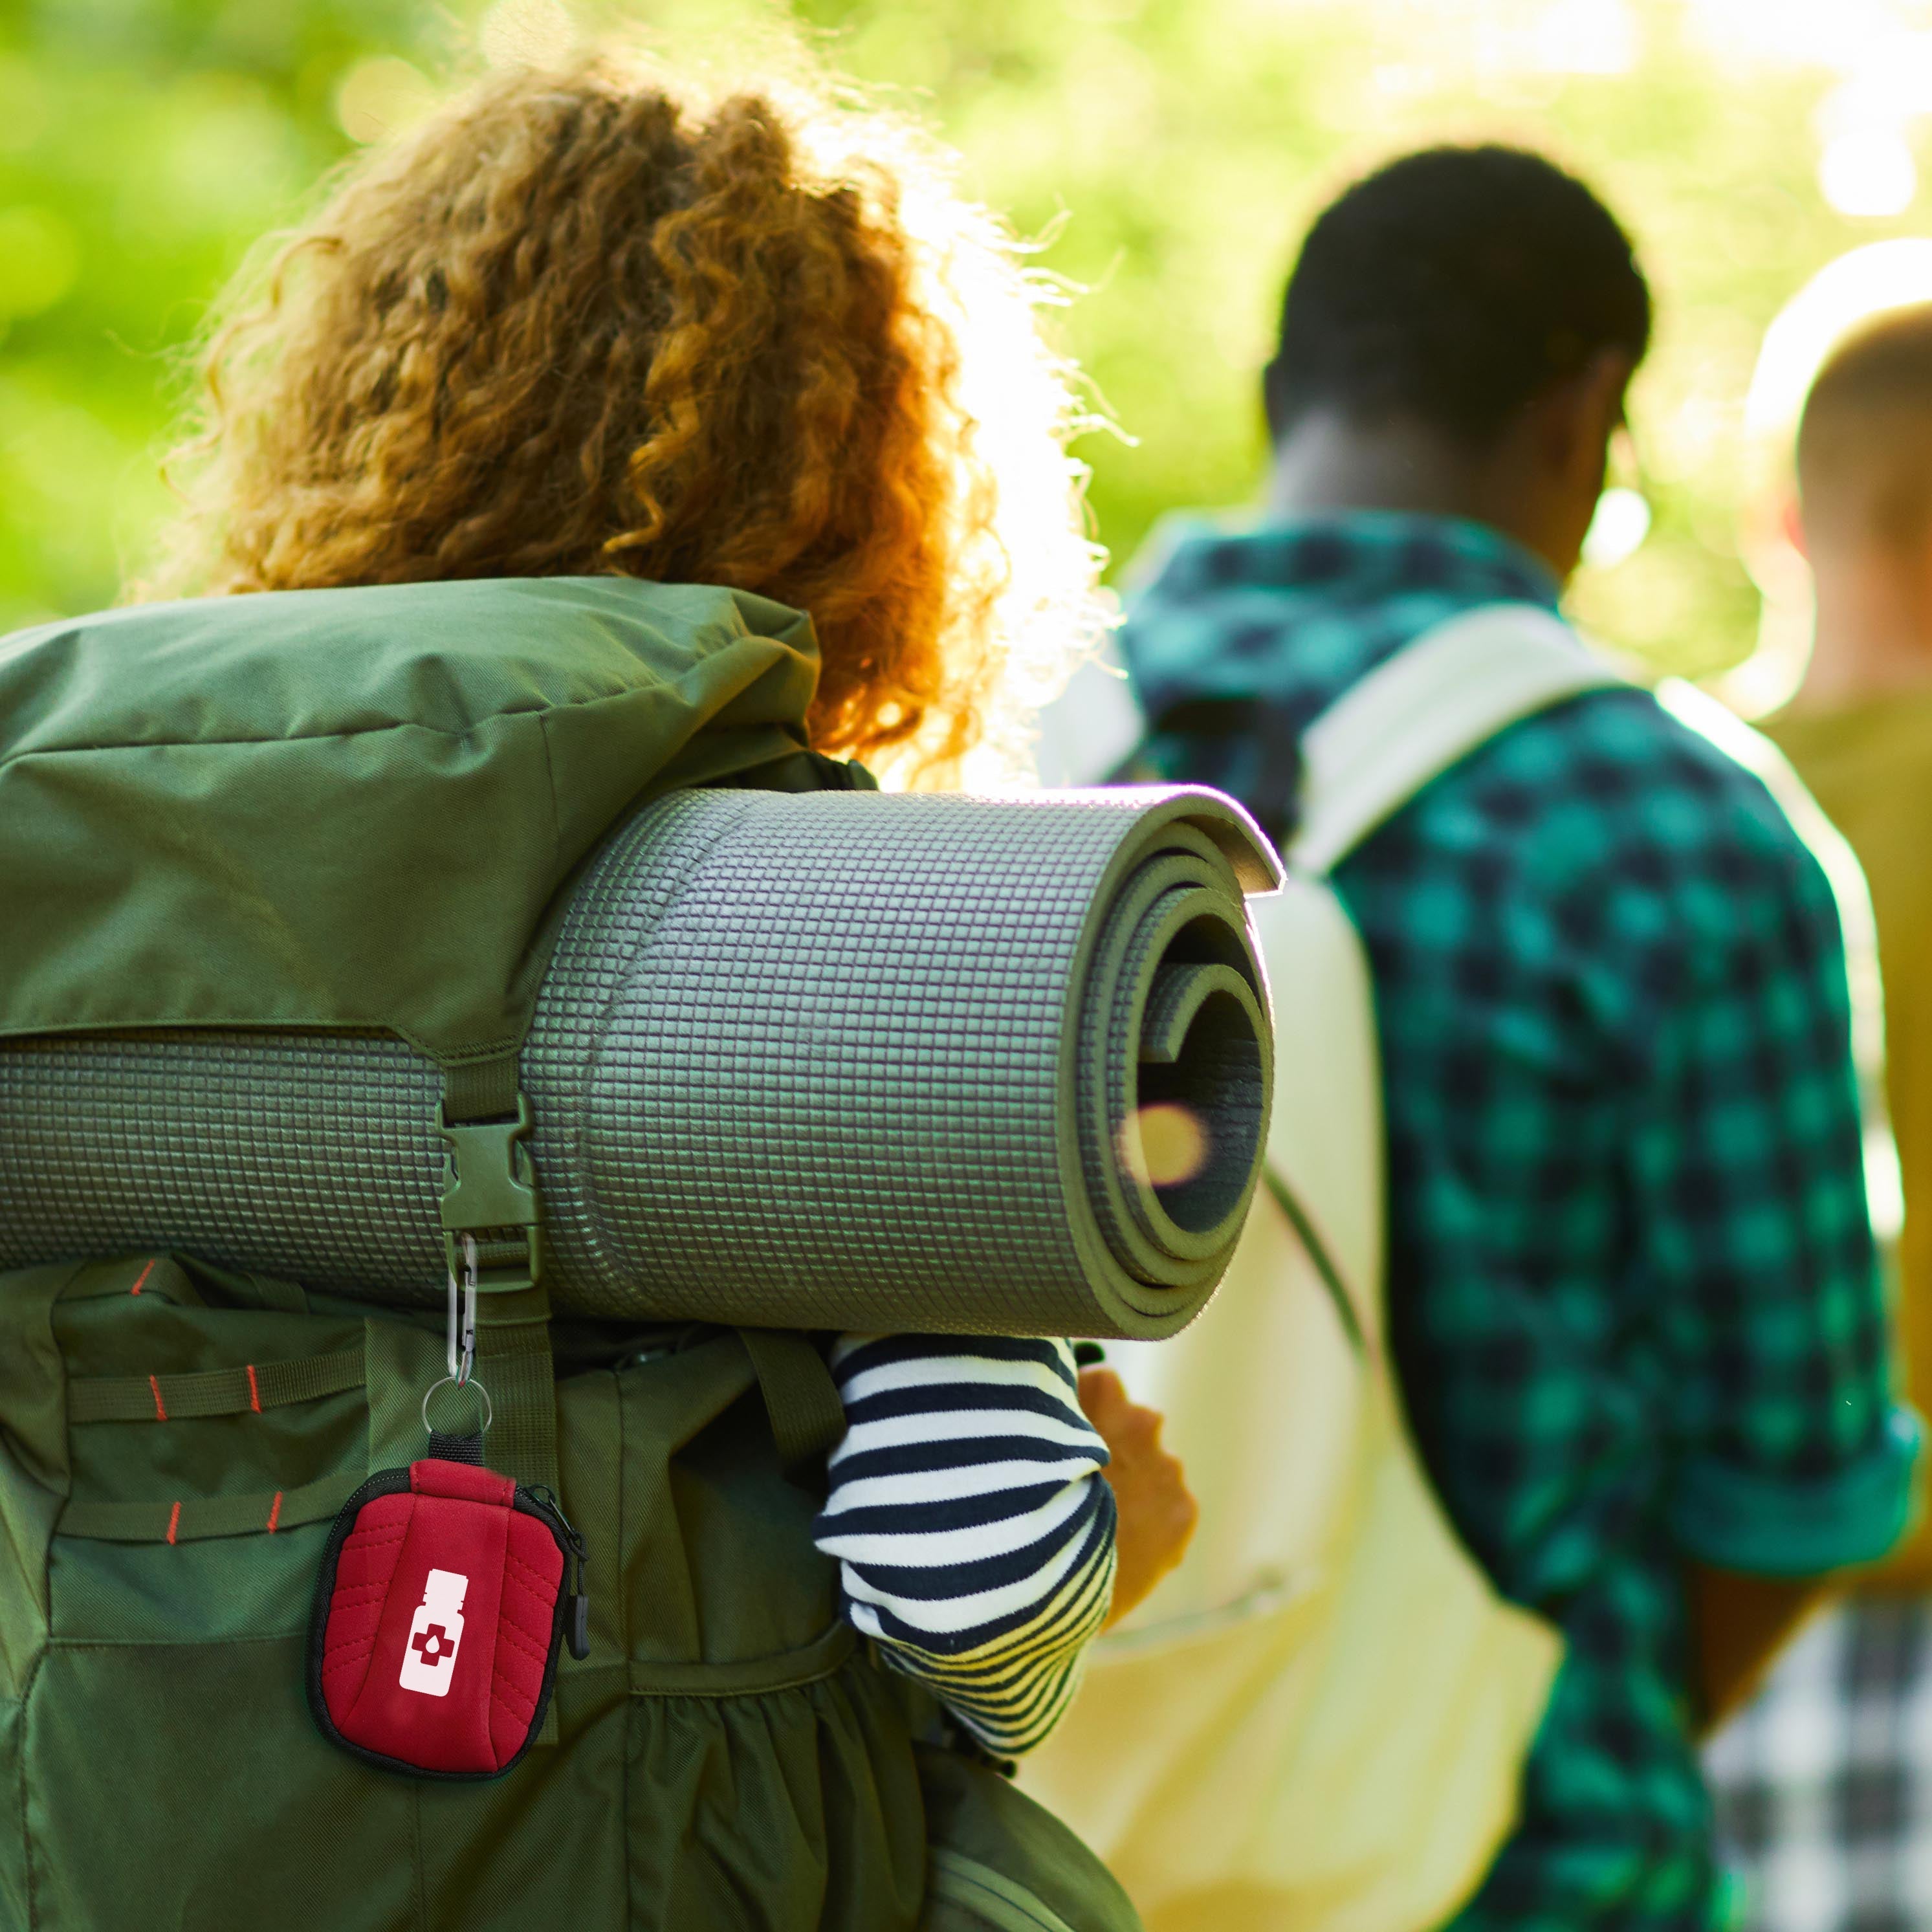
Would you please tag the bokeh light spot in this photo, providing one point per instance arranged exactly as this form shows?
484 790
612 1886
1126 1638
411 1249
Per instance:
1868 172
381 97
1587 37
1621 522
1164 1144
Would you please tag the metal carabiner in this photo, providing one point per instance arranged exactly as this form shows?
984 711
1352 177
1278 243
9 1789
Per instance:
461 1352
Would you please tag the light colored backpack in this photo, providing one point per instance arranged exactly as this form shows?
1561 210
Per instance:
1319 1720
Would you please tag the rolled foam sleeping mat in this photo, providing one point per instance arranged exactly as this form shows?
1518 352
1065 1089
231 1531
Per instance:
828 1060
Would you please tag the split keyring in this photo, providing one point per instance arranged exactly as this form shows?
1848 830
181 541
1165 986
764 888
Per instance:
450 1381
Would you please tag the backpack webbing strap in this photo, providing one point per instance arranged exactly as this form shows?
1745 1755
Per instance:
807 1417
195 1519
490 1199
480 1089
159 1275
514 1365
253 1387
1425 710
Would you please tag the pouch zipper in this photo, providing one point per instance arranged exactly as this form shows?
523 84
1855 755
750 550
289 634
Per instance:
541 1500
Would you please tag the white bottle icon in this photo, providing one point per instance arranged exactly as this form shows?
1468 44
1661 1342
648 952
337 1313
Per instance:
436 1632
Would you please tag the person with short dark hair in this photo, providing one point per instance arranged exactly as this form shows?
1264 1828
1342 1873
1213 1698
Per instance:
1833 1837
1634 1294
1455 340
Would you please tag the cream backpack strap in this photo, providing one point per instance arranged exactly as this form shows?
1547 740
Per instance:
1375 747
1432 704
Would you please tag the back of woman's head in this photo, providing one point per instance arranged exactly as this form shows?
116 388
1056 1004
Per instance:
581 321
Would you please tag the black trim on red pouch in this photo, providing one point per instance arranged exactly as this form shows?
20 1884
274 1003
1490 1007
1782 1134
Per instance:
571 1608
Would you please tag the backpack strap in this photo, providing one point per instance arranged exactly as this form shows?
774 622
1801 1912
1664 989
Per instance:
1412 717
198 1518
491 1208
808 1416
253 1387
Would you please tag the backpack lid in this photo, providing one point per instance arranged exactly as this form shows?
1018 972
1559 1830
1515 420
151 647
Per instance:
353 808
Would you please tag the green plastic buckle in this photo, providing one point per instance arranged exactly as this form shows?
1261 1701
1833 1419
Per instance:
489 1187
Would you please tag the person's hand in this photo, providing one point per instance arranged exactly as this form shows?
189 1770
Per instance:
1155 1512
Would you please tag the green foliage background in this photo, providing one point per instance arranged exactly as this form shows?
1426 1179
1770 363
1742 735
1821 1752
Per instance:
1174 150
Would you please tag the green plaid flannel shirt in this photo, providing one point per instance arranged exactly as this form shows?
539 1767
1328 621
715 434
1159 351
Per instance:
1633 1296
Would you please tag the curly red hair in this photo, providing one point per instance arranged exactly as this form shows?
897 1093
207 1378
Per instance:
582 322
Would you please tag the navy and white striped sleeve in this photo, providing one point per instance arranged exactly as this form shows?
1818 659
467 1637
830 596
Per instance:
973 1530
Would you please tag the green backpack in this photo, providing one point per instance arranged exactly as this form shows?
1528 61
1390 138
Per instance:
179 785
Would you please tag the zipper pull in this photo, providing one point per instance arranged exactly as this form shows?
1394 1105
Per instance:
579 1606
577 1602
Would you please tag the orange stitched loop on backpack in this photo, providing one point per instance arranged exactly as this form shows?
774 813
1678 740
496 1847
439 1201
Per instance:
141 1278
174 1521
255 1403
275 1508
161 1407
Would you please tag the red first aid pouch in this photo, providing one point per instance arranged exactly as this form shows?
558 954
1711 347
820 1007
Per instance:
438 1617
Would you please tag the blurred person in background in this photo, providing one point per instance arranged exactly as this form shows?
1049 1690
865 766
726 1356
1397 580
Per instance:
1824 1785
1635 1301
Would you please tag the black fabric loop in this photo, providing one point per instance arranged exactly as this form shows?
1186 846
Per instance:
448 1448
